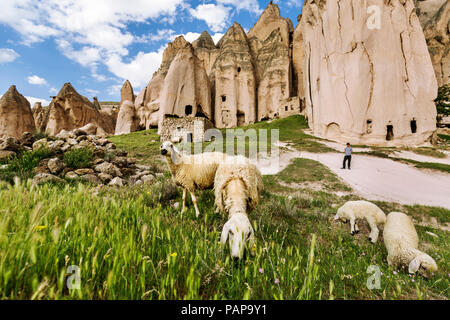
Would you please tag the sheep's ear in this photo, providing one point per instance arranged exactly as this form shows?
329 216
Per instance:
414 265
225 232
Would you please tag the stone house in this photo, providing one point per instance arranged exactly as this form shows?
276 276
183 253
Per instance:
187 129
289 107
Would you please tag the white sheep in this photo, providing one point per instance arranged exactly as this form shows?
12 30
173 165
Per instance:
362 209
192 172
237 190
401 241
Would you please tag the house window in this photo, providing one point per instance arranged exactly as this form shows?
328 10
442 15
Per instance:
286 108
189 137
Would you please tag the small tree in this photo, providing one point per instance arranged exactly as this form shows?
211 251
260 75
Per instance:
443 100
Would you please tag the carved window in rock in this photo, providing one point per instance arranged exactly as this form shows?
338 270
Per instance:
369 126
226 117
286 108
240 119
239 69
413 124
224 98
188 110
200 112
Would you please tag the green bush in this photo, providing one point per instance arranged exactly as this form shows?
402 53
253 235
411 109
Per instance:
443 100
79 158
23 165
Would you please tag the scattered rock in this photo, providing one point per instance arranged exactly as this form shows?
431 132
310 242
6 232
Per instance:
105 177
92 178
71 175
42 178
6 154
10 144
117 182
56 165
108 168
148 179
85 171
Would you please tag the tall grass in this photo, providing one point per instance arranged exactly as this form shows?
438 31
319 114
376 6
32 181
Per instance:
130 245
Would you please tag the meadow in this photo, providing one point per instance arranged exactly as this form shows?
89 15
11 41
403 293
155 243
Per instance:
132 243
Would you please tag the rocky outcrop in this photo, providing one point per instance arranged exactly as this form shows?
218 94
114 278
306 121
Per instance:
186 90
234 82
427 9
70 110
15 114
40 115
206 51
358 90
298 56
270 40
437 33
126 93
127 120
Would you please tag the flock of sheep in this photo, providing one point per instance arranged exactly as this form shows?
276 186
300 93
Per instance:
237 188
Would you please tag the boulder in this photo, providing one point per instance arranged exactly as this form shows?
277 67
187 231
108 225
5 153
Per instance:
105 177
117 182
108 168
71 175
360 91
56 165
148 179
42 178
91 178
84 171
15 114
6 155
10 144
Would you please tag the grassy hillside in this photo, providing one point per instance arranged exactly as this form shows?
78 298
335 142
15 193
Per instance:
132 243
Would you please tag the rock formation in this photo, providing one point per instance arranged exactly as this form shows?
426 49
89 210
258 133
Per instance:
127 93
70 110
298 56
40 116
186 90
234 82
127 120
15 114
206 51
365 84
427 9
270 40
437 33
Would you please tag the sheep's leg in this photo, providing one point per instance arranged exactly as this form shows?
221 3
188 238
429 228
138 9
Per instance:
373 237
194 200
183 210
353 227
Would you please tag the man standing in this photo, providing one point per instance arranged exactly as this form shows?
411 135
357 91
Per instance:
348 156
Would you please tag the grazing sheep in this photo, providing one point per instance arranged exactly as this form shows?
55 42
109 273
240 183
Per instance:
237 189
361 209
192 172
401 240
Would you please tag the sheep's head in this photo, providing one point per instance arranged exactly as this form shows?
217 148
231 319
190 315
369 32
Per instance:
167 148
339 216
424 264
239 230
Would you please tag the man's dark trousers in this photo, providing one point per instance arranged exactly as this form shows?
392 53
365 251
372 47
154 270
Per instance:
349 159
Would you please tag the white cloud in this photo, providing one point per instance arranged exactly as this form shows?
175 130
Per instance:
215 16
7 55
139 70
33 100
36 80
92 92
162 34
216 37
53 91
249 5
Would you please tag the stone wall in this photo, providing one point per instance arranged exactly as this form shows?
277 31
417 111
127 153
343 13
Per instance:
187 129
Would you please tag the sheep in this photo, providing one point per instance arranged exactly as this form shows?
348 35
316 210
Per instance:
237 190
401 241
361 209
192 172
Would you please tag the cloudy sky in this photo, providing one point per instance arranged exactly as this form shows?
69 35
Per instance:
97 44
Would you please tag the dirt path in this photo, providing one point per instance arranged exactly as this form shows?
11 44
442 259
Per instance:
381 179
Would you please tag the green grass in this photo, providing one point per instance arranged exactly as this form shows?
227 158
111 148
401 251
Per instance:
142 145
431 152
23 165
43 230
444 137
79 158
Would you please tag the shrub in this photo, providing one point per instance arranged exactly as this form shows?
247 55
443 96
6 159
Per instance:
443 100
24 164
79 158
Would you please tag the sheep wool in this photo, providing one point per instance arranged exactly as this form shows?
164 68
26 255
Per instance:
237 189
401 241
362 209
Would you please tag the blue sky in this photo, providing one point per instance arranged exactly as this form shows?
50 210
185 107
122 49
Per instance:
97 44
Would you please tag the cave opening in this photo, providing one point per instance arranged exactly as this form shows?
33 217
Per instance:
239 69
188 110
224 98
413 126
390 132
